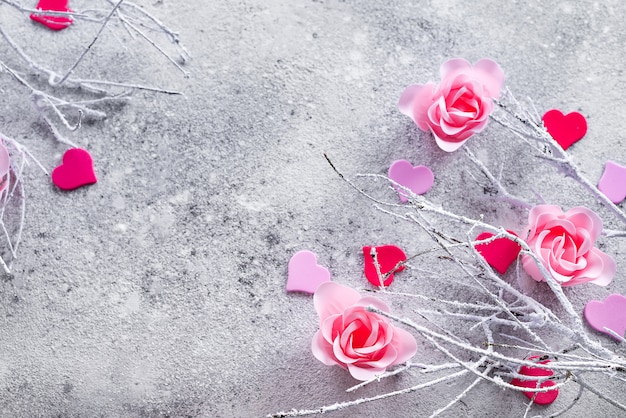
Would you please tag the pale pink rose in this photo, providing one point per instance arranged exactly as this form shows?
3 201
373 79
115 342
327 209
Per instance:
350 336
459 106
564 244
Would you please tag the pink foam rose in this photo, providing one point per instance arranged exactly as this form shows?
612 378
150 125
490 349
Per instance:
350 336
459 106
564 242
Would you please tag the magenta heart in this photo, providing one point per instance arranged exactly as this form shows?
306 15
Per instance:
53 22
499 253
608 315
541 398
418 179
613 182
75 171
388 257
565 129
304 274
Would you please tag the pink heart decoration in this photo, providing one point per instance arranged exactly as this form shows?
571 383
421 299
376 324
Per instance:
565 129
5 166
53 22
613 182
499 253
607 316
75 171
542 398
388 257
418 179
304 274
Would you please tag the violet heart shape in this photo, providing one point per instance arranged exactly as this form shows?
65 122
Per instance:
608 316
565 129
388 257
53 22
418 179
613 182
540 398
499 253
75 171
304 274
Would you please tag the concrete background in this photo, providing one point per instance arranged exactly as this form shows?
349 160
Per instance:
159 291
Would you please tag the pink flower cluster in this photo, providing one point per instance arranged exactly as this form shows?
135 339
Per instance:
459 106
564 243
354 338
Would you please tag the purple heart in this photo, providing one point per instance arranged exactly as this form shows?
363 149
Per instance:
613 182
304 274
418 179
609 316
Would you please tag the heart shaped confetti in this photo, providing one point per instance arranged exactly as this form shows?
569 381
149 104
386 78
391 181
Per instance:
53 22
75 171
388 257
541 398
613 182
304 274
608 316
5 166
499 253
565 129
418 179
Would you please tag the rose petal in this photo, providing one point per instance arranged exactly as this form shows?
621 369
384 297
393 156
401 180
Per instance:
491 76
331 298
586 219
405 344
448 146
322 350
602 267
414 103
364 373
452 67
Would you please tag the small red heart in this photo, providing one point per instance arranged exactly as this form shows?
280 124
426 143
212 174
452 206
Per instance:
499 253
75 171
53 22
388 257
542 398
565 129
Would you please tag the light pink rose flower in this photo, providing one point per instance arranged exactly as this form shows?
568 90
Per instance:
363 342
459 106
564 244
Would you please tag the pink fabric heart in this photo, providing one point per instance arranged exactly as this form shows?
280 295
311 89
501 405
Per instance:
418 179
608 315
5 166
76 170
304 274
613 182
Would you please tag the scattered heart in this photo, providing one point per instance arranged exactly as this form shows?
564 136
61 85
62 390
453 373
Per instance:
613 182
304 274
565 129
75 171
541 398
5 166
53 22
388 257
499 253
418 179
608 316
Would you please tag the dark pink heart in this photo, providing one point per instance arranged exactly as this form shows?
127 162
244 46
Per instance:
613 182
388 257
608 316
75 171
418 179
541 398
565 129
304 274
53 22
500 253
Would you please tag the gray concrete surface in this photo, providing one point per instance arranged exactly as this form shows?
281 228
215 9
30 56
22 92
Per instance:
159 291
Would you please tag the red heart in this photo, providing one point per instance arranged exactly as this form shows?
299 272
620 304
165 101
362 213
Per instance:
542 398
53 22
565 129
75 171
499 253
388 257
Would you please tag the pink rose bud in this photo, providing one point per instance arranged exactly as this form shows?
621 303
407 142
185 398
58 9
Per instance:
459 106
564 243
354 338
